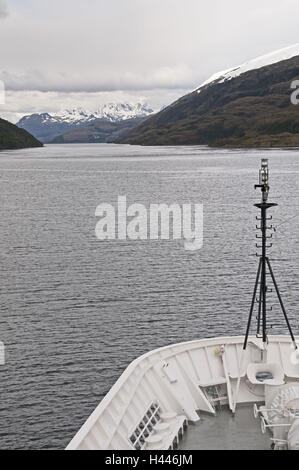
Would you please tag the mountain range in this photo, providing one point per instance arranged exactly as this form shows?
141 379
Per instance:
46 126
246 106
98 131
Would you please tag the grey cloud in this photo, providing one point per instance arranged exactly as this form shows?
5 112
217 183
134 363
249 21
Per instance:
160 78
137 44
19 103
3 9
134 45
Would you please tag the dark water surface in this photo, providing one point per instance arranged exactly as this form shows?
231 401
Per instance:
75 311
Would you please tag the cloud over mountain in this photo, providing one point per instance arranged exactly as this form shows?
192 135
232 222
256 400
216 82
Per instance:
3 9
167 77
163 48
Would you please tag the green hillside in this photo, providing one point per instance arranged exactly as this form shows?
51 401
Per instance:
11 137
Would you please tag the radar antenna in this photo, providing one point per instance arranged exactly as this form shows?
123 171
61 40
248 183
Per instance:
264 266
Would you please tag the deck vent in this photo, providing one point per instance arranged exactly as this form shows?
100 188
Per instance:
145 426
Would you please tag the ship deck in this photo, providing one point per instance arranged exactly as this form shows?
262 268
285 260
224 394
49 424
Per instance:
226 432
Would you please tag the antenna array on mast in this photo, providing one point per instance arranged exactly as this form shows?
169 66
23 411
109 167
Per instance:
264 267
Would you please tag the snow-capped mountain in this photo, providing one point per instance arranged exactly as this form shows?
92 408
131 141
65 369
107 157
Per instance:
71 116
46 126
112 112
262 61
245 106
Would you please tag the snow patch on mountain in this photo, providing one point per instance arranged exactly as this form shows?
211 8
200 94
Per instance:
112 112
119 112
72 116
268 59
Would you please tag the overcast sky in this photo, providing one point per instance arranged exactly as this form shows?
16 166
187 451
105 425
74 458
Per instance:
67 53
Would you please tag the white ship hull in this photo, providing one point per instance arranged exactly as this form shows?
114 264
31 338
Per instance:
161 392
